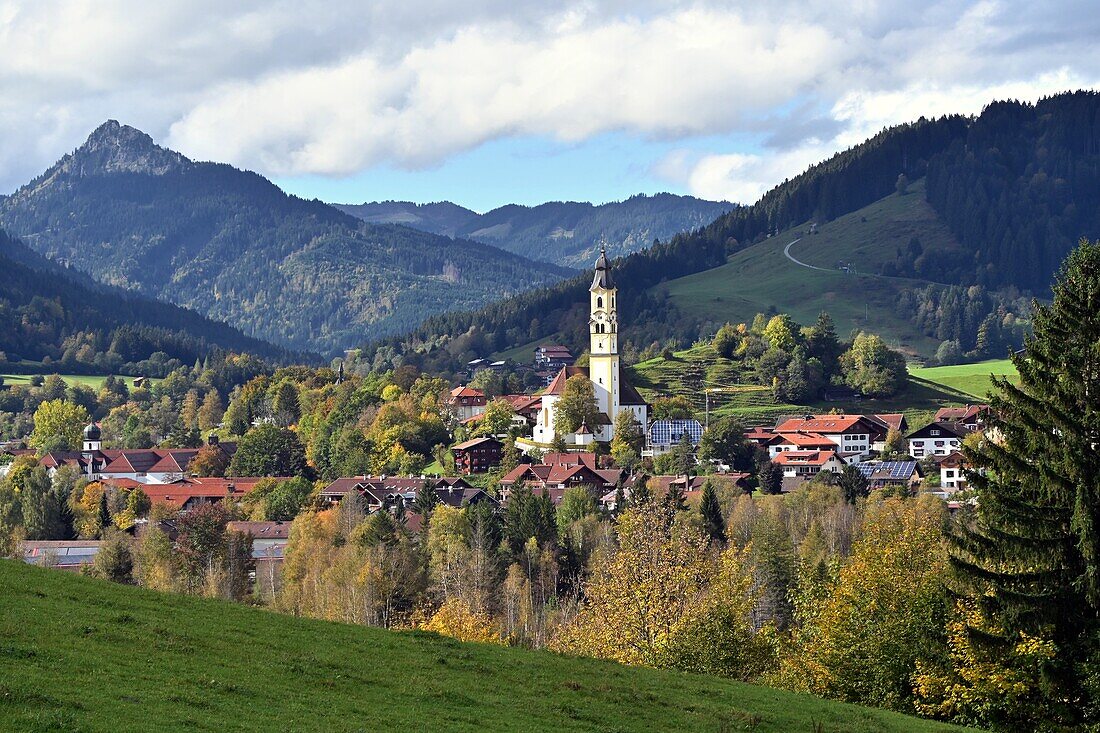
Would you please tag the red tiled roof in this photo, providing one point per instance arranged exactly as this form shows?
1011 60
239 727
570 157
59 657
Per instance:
464 391
804 457
960 414
803 439
824 424
473 443
893 420
557 386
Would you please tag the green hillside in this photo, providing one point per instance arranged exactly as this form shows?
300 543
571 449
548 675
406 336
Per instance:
762 277
84 655
972 379
693 372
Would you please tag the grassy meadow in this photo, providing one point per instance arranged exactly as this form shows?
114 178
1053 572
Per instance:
94 381
78 654
762 277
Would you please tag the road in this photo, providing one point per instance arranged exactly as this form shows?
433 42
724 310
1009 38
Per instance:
787 252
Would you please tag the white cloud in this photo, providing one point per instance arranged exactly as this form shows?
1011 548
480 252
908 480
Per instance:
334 87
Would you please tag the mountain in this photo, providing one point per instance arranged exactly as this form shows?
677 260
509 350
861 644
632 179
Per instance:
565 232
50 312
233 246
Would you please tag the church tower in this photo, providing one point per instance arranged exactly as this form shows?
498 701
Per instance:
603 327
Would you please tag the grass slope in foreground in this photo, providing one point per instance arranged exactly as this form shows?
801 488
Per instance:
82 655
761 276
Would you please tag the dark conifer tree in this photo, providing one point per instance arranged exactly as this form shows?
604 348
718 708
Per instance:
714 524
1029 558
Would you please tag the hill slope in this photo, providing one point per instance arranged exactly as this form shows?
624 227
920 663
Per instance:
565 232
51 311
233 246
80 654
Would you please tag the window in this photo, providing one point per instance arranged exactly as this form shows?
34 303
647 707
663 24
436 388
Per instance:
933 432
599 302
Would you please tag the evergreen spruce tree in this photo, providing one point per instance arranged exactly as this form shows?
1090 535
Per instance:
1028 561
714 524
104 515
854 484
425 501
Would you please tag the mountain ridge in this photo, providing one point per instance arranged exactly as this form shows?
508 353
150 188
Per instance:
568 233
233 246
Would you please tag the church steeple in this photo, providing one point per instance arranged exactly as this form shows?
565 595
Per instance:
604 322
602 280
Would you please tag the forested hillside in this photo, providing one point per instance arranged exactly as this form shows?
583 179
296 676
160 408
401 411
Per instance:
566 232
846 182
50 313
232 245
1022 187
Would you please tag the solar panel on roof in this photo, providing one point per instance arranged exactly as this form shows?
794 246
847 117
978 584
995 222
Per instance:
667 432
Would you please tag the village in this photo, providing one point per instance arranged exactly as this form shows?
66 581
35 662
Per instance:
555 439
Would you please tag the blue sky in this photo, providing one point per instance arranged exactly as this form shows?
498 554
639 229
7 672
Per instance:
526 170
487 102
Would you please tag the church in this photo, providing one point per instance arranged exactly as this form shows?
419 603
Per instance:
613 392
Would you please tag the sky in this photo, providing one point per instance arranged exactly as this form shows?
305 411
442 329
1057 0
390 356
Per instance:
488 102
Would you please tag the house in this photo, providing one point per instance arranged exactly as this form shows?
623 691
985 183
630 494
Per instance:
560 471
798 440
889 421
378 492
880 474
526 406
553 357
937 439
479 455
188 493
71 555
466 402
614 393
808 463
953 473
971 417
853 435
759 435
663 435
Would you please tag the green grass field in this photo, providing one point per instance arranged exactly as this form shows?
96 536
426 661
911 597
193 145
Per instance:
83 655
971 379
761 277
93 381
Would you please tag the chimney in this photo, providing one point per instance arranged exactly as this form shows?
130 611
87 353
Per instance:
212 439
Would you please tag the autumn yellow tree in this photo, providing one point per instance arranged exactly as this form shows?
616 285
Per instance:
640 596
456 618
862 640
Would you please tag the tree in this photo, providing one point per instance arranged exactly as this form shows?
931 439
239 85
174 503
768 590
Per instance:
854 484
576 405
58 425
724 441
209 461
284 502
872 367
710 511
677 407
497 419
425 501
115 559
781 332
284 404
629 439
1028 562
726 341
641 595
862 640
237 418
211 411
267 450
528 516
822 343
577 503
769 476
